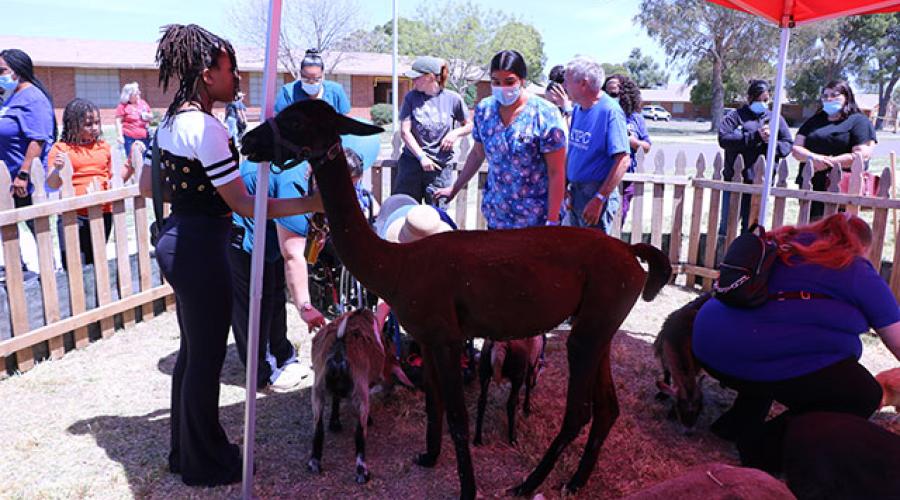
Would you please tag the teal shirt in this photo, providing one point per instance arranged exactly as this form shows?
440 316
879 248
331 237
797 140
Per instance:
290 183
292 92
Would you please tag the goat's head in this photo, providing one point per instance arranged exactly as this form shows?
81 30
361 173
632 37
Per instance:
346 354
688 401
305 130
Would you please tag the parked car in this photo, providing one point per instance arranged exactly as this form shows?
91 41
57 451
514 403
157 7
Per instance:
655 112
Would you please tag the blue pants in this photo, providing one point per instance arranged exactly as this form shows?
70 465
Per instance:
581 193
193 255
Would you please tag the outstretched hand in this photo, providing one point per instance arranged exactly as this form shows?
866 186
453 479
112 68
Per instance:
313 319
444 192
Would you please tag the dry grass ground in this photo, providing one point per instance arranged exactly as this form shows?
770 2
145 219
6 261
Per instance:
95 425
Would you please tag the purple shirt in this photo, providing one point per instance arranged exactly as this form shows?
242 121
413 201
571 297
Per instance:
25 117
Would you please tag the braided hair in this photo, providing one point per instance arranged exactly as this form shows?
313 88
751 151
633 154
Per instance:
183 53
19 62
74 117
629 93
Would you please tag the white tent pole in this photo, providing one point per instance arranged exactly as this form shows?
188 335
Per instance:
270 71
395 91
774 124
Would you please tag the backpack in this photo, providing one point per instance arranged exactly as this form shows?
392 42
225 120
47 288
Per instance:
744 272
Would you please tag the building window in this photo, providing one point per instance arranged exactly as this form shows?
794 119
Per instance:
255 89
346 81
100 86
678 107
383 93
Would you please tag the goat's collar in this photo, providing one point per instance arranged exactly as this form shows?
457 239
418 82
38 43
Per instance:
300 154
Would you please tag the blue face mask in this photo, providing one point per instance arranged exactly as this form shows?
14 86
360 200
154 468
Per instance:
506 95
311 88
8 85
831 107
758 107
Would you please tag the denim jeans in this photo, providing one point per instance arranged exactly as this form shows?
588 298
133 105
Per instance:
580 194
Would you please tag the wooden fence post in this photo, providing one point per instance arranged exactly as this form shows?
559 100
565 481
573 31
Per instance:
712 223
637 201
677 211
696 218
15 280
44 238
659 193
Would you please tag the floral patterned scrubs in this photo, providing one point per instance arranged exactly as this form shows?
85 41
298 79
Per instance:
515 195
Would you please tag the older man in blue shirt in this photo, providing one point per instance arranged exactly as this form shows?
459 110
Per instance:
598 147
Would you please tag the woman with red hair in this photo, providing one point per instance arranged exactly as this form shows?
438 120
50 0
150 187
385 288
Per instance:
801 348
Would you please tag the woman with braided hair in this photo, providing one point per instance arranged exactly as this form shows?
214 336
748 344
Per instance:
91 160
199 166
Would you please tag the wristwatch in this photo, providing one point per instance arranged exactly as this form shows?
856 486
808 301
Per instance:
23 175
306 307
600 197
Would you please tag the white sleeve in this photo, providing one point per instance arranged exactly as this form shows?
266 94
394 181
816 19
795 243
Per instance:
214 154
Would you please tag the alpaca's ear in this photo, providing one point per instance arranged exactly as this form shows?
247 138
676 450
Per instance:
348 126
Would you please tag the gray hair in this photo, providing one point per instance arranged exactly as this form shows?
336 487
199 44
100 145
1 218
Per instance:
128 90
584 68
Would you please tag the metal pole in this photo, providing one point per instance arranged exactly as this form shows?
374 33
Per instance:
776 119
270 72
395 91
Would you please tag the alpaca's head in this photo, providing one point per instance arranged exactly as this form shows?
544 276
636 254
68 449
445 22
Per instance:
305 130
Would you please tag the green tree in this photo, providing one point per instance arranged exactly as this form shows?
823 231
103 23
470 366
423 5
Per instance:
645 71
877 39
527 40
697 31
820 52
615 69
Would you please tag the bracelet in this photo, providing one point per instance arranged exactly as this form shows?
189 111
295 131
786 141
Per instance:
306 306
552 222
601 197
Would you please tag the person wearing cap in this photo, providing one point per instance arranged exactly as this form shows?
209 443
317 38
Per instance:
313 85
432 119
236 118
746 132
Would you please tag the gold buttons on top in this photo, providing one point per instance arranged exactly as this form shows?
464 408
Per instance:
184 185
201 187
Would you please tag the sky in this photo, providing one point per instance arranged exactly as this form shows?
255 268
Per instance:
602 29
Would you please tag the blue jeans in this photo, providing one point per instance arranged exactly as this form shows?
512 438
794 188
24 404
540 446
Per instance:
581 193
129 141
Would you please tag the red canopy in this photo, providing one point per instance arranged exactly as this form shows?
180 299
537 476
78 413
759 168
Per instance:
782 12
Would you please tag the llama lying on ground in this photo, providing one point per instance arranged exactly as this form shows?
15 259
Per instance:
348 358
499 285
515 360
681 370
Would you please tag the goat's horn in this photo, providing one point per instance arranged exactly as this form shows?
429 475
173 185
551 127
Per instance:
342 327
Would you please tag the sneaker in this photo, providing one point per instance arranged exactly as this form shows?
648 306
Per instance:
290 378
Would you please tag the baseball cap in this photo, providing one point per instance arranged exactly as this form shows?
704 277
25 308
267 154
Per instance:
424 65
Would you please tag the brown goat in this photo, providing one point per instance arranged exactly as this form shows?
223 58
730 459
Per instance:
347 358
516 360
890 388
681 370
457 285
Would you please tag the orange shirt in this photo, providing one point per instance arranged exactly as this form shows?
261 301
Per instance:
88 163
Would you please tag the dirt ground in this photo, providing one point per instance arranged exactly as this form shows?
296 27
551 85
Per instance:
95 425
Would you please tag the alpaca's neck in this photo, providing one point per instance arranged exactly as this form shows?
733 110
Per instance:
371 260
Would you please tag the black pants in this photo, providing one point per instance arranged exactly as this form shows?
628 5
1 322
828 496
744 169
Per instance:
843 387
419 184
274 347
25 202
84 237
193 255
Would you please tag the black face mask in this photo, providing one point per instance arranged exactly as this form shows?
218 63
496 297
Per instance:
613 95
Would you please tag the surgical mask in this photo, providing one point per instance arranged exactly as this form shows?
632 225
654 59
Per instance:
831 107
311 88
506 95
758 107
8 84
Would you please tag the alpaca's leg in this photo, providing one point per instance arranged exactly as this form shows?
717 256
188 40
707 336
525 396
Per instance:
362 404
334 424
511 405
605 408
484 373
582 350
318 407
450 377
434 411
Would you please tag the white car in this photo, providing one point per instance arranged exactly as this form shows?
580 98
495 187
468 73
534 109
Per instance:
655 112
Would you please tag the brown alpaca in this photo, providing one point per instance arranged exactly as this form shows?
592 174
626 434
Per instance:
347 358
516 360
493 284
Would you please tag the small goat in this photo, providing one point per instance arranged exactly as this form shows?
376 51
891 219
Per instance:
348 357
890 386
681 371
516 360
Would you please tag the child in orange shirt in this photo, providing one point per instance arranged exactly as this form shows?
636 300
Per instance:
91 159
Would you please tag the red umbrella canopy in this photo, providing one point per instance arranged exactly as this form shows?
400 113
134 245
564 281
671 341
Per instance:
782 12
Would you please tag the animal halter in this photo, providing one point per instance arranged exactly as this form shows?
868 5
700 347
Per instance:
300 153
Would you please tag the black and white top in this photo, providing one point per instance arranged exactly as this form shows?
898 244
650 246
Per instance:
196 156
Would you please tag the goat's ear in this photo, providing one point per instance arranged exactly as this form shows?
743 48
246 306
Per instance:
348 126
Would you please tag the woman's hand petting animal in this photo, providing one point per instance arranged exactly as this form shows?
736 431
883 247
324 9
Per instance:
312 317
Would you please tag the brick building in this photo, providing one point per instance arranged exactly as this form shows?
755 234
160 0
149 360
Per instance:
97 70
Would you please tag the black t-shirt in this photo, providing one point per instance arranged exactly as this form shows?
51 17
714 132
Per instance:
836 138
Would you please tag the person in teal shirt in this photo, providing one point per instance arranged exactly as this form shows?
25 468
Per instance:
313 85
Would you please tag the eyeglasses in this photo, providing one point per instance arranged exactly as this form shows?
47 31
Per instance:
311 81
